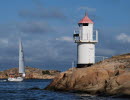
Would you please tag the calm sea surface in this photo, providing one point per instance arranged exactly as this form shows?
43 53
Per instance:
25 91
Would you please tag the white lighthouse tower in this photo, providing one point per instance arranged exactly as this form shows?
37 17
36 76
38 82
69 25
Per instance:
86 38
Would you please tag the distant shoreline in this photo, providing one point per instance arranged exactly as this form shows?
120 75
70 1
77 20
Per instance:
31 73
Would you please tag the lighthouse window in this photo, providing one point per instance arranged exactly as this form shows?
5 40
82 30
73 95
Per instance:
85 24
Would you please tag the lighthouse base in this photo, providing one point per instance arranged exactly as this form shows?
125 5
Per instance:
83 65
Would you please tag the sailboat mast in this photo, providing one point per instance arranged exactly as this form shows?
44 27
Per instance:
21 58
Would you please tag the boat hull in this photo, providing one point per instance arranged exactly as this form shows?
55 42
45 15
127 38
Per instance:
18 79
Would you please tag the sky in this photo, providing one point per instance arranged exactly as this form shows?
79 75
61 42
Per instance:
46 28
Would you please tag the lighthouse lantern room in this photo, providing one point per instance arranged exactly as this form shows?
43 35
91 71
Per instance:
86 38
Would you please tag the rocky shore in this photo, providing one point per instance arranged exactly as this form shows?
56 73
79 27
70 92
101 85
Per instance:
108 77
31 73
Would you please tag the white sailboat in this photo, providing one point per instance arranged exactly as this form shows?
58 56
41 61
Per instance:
21 75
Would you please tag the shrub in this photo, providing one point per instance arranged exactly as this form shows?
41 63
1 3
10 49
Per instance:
46 72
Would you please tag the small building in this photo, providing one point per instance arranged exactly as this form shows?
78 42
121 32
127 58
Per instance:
86 38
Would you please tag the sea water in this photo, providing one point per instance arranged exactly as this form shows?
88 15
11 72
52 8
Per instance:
32 89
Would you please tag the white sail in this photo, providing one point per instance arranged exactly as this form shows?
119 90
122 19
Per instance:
21 59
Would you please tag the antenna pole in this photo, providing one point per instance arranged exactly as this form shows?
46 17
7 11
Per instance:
86 14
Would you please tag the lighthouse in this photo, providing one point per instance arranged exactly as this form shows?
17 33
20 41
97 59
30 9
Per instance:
86 38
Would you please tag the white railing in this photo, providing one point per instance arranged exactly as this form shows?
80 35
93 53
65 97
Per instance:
78 38
102 58
95 36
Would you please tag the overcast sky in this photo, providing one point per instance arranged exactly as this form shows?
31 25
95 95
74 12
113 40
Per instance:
46 28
